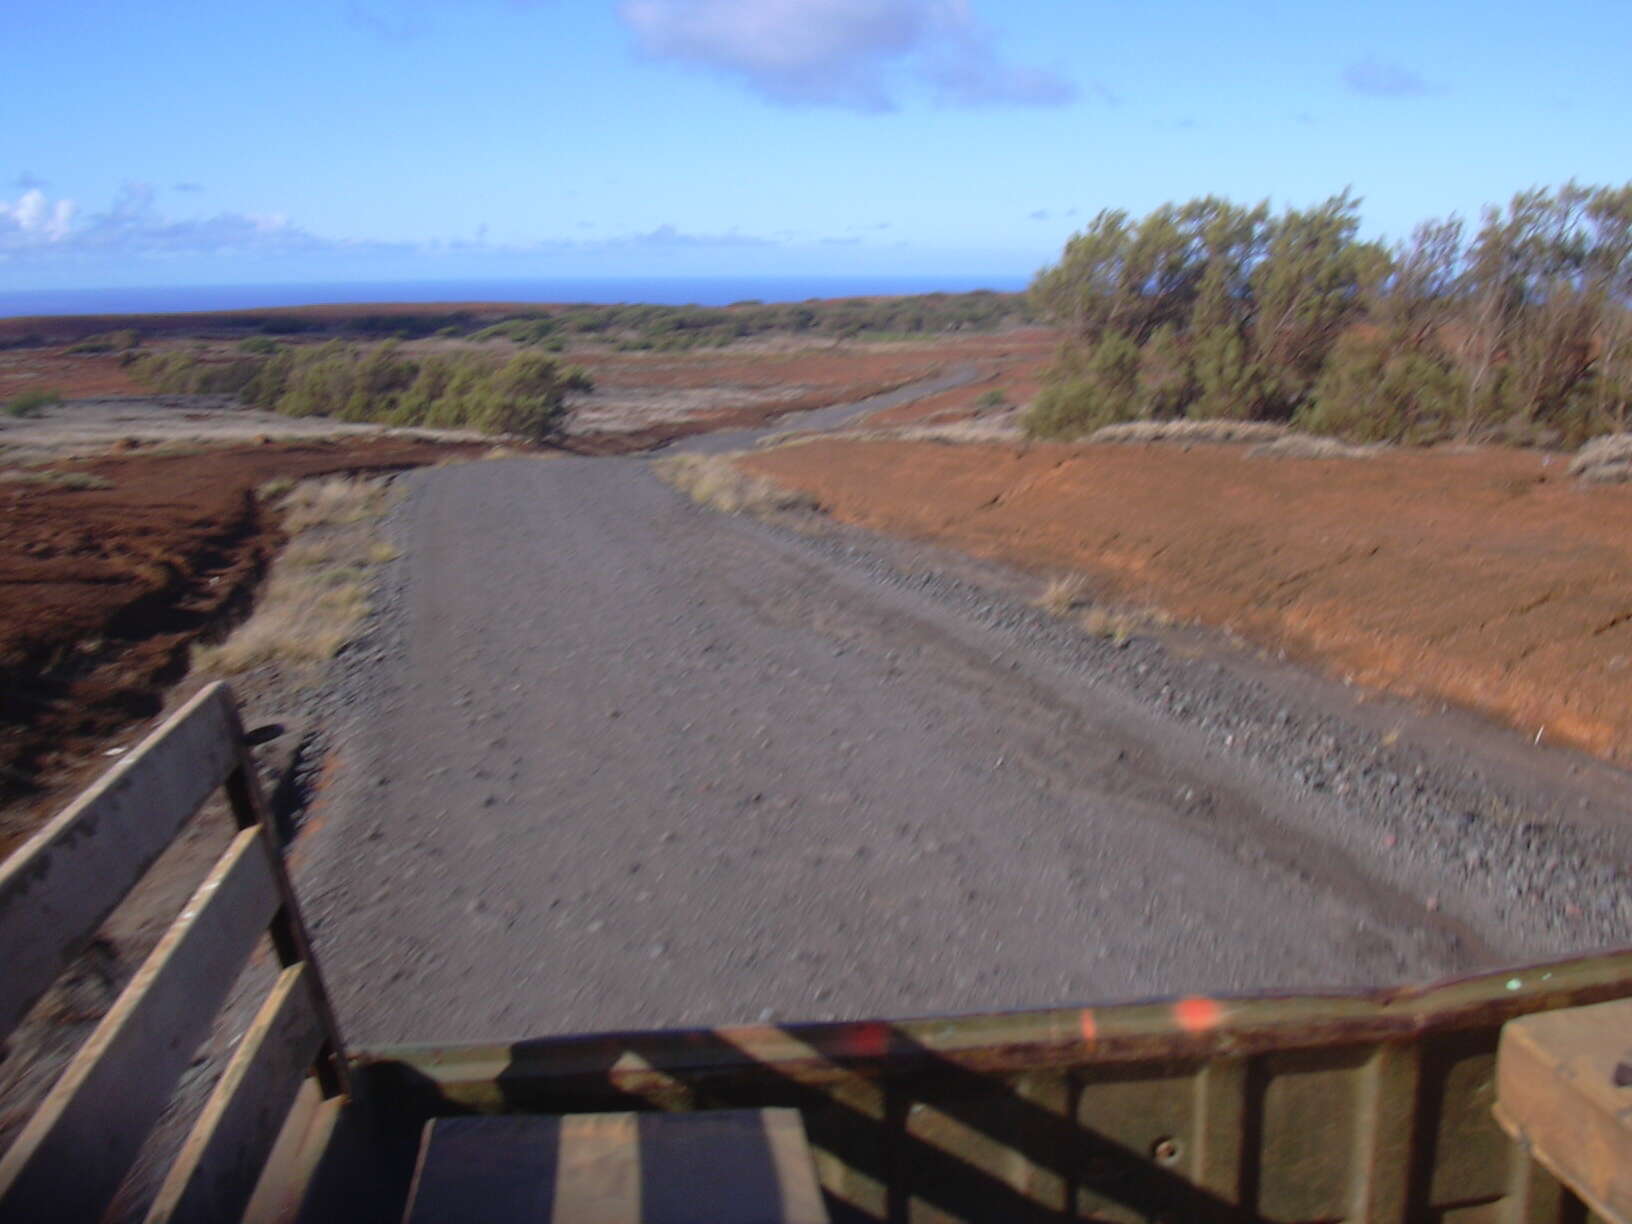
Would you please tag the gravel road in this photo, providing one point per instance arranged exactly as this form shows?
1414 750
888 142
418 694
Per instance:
608 760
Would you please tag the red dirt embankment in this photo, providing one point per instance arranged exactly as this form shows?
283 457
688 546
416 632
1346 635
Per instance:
1487 578
103 589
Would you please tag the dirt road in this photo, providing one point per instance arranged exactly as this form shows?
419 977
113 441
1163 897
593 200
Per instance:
610 760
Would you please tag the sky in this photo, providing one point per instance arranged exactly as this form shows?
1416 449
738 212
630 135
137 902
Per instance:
176 142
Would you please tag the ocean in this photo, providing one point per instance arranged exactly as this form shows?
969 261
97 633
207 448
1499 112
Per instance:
671 291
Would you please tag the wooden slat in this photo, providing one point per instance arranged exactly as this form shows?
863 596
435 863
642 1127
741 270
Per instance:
1564 1091
291 1171
598 1178
289 934
795 1169
59 886
735 1166
69 1159
216 1172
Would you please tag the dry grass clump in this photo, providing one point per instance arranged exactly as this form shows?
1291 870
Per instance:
56 479
1606 460
983 429
1119 624
994 429
175 448
1312 446
317 593
716 482
331 503
1189 431
1063 593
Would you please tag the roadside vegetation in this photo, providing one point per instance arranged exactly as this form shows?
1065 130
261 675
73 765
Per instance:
32 403
505 376
1072 594
317 593
680 328
524 394
628 326
635 327
54 478
1519 330
120 341
715 481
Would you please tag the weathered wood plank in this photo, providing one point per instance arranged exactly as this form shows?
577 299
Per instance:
735 1166
795 1169
216 1172
289 934
1564 1091
292 1169
59 886
598 1178
69 1159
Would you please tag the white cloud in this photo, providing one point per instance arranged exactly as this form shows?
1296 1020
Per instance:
132 227
33 226
668 237
132 230
847 53
34 221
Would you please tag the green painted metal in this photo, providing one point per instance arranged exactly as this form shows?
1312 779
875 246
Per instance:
1341 1107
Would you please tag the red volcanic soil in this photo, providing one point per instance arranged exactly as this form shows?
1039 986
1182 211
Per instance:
1487 578
1011 364
73 375
103 589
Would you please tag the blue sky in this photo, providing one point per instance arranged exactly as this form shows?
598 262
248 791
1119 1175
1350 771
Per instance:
175 142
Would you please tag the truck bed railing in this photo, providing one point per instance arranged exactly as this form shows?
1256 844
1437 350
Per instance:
1323 1107
56 890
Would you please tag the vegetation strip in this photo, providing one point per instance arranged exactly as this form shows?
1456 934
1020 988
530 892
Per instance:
1518 331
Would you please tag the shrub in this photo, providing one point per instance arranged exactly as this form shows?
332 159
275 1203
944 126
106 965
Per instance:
1518 328
1105 390
1228 382
119 341
1373 392
525 396
32 403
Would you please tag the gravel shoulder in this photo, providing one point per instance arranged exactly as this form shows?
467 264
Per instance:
608 760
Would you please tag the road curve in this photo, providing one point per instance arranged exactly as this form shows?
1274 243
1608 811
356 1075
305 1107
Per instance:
640 764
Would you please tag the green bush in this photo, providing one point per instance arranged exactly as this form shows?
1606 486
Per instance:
1372 392
1105 391
32 403
1518 329
525 395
